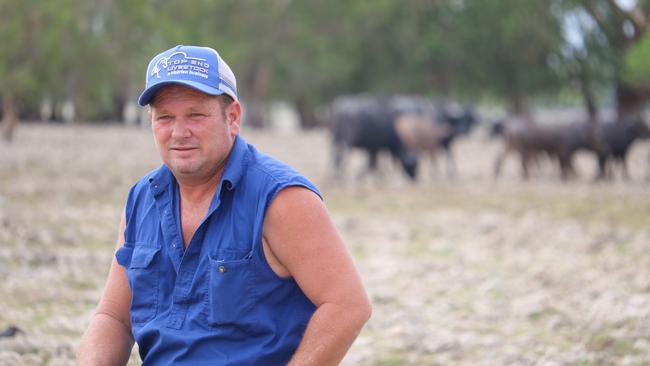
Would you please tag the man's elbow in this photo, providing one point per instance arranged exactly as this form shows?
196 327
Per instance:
362 313
367 311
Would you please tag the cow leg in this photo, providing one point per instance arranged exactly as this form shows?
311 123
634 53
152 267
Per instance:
602 168
371 168
451 165
624 171
525 158
499 162
599 174
647 172
610 162
565 167
572 172
434 164
340 152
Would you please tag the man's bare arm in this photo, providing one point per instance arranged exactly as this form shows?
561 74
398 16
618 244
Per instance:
302 239
108 339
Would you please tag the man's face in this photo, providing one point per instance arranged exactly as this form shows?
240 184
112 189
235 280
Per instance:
193 133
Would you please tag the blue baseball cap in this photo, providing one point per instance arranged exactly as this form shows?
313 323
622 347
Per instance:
200 68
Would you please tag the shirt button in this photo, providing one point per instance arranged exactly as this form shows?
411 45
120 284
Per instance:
222 269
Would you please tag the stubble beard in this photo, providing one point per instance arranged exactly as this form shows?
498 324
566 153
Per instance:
194 171
187 169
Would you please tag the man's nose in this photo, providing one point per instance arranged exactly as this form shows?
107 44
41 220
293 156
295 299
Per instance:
181 130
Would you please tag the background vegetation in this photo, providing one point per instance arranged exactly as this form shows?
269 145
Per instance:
89 55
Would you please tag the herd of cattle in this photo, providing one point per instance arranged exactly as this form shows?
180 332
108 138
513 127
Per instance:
411 127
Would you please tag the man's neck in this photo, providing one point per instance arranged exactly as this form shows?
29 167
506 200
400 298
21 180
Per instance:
195 192
195 199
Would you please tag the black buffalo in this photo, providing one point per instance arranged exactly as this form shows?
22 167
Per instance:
618 137
367 122
532 141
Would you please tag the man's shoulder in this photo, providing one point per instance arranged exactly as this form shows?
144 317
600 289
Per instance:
273 173
262 165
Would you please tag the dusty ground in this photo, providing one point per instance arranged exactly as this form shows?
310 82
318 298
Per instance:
465 272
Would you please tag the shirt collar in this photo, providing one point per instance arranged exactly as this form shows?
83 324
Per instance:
236 164
160 179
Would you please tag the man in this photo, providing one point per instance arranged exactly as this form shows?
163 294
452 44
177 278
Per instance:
225 255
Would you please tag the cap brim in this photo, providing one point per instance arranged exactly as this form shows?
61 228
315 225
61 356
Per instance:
148 94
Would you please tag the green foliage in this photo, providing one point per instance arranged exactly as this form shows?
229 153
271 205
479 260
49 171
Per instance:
21 26
636 67
509 46
94 52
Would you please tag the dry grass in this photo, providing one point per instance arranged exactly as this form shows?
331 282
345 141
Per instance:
466 272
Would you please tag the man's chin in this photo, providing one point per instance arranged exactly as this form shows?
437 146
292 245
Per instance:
183 169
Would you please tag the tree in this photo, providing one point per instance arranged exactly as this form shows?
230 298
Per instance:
21 24
620 28
506 49
636 65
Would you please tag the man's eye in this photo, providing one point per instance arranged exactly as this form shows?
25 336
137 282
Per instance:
164 117
197 115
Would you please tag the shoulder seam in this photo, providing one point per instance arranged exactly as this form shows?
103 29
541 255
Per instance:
267 173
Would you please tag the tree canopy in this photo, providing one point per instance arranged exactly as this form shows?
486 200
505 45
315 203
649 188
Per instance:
94 52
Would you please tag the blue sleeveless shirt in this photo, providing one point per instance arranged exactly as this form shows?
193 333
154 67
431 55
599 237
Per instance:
218 302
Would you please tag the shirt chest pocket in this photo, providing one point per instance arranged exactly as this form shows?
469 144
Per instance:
143 277
230 293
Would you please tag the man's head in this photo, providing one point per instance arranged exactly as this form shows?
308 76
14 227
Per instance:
200 68
195 114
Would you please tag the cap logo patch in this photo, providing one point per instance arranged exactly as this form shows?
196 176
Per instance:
181 65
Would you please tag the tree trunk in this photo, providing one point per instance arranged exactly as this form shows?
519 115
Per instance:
9 117
68 111
630 101
519 105
440 80
587 94
256 111
46 110
308 118
590 104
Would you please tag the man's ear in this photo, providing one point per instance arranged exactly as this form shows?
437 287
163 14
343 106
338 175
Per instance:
234 115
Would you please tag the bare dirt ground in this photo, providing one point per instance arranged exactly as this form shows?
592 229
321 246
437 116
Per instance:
470 271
